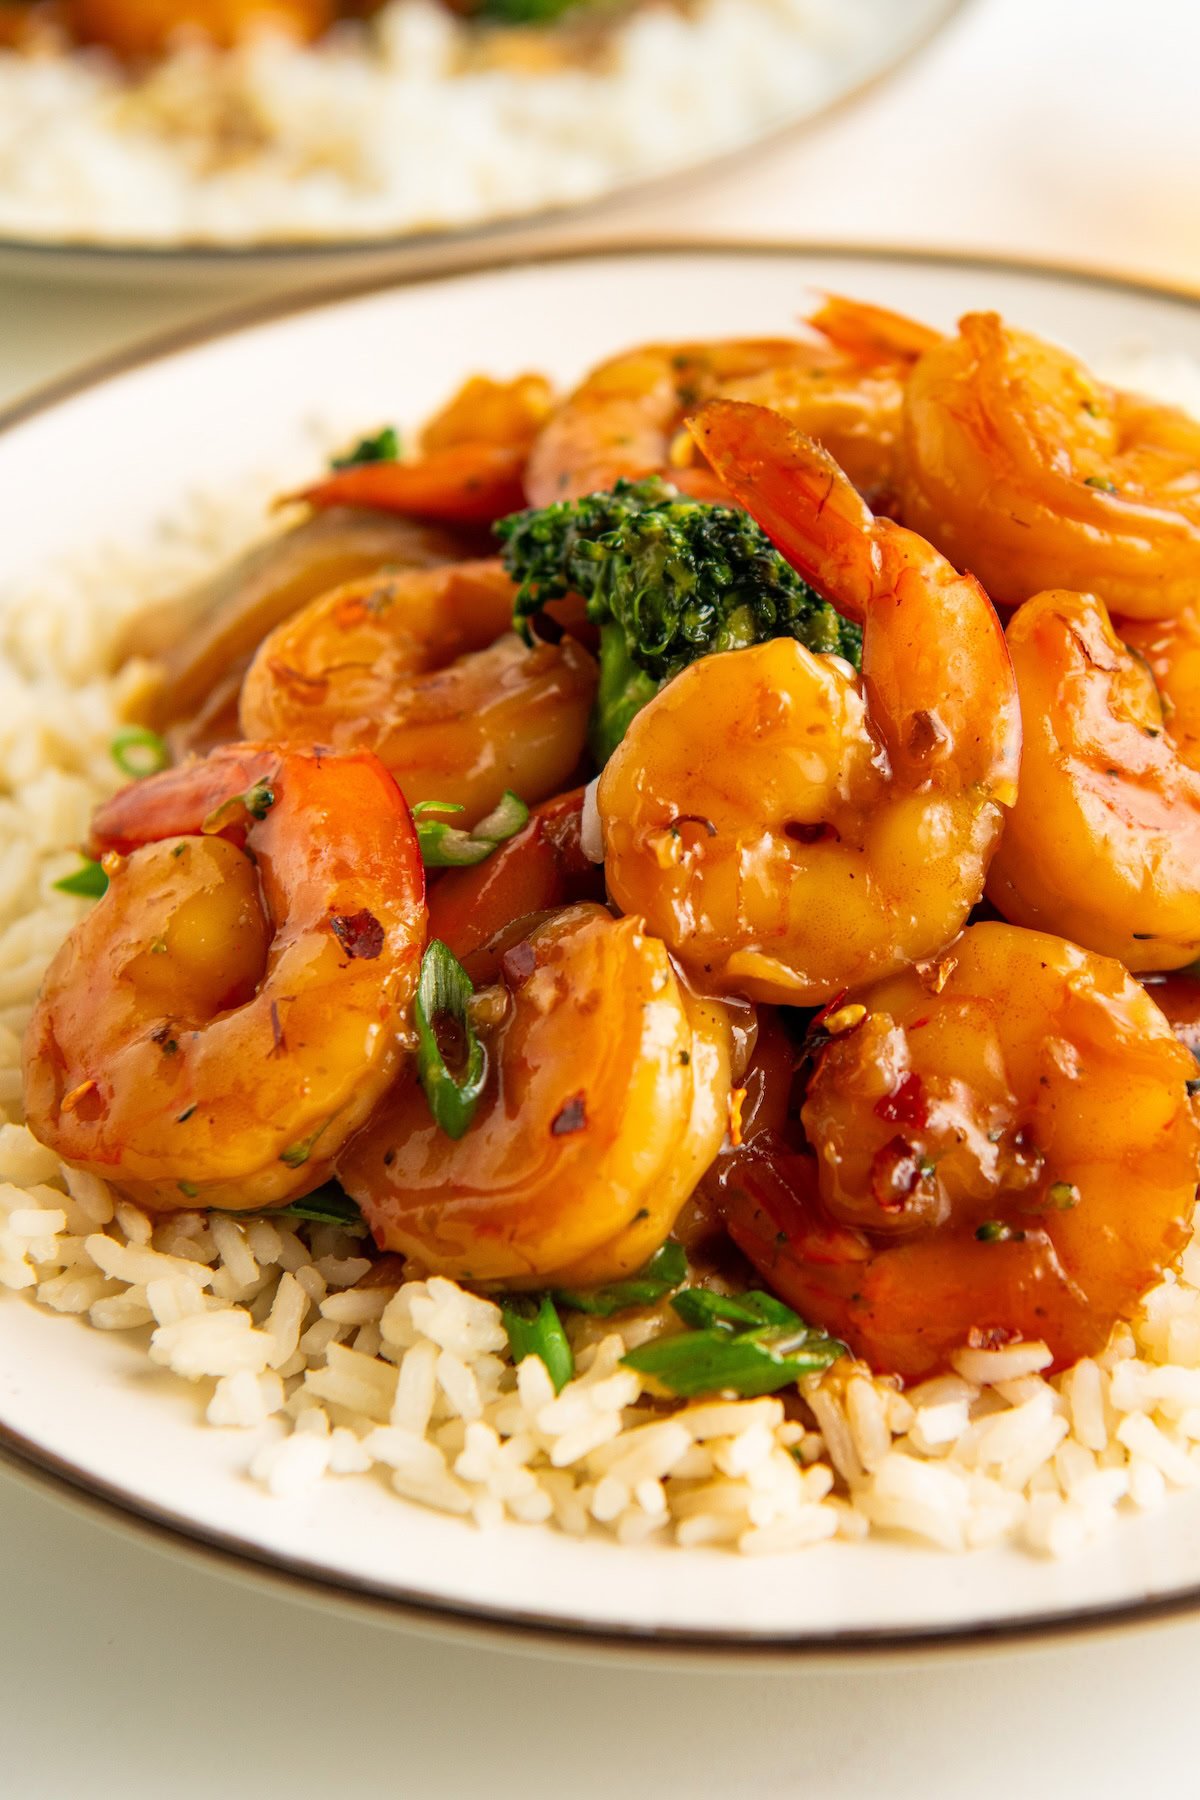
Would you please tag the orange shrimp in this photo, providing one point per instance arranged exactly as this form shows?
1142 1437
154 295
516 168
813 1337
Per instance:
1103 844
1020 465
1170 649
625 418
1004 1147
607 1096
423 668
787 828
237 1003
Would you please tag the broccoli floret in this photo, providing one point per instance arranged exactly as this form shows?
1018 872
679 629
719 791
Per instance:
524 12
668 580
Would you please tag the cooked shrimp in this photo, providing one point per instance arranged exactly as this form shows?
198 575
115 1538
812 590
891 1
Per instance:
788 829
1022 467
607 1096
479 912
202 641
138 28
471 466
847 393
1171 650
1004 1147
486 411
423 668
625 418
1177 997
1103 844
237 1003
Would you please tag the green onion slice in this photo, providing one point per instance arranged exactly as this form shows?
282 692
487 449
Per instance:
326 1205
702 1309
743 1363
444 991
745 1344
88 881
535 1329
380 446
450 847
137 751
666 1269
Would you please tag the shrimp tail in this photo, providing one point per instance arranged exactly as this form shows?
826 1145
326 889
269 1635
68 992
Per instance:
873 333
466 483
795 490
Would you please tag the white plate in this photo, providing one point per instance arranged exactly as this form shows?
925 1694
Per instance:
904 28
89 1406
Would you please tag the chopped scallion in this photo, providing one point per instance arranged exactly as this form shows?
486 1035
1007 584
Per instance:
137 752
745 1344
535 1329
381 446
666 1269
326 1205
89 881
444 991
450 847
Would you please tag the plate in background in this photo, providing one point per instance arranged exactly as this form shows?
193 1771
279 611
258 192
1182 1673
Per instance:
907 26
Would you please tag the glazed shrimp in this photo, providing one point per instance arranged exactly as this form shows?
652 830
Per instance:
847 392
1103 844
423 668
1170 648
141 28
1004 1147
471 465
607 1096
786 828
237 1003
626 417
202 641
1021 466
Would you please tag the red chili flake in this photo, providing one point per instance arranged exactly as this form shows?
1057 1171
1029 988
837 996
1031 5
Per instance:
896 1174
518 964
360 934
811 834
990 1337
570 1118
907 1106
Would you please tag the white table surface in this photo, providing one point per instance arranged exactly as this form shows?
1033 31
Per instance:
1065 129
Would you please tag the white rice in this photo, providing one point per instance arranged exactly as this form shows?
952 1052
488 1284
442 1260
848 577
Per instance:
414 123
415 1383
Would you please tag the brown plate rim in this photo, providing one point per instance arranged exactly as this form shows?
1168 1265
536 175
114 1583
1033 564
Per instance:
120 1508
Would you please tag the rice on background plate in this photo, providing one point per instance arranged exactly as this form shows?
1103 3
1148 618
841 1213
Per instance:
418 122
330 1378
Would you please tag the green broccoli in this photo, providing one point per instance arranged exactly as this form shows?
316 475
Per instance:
524 12
668 580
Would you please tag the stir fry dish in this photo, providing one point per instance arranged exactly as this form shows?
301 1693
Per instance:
720 845
706 864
